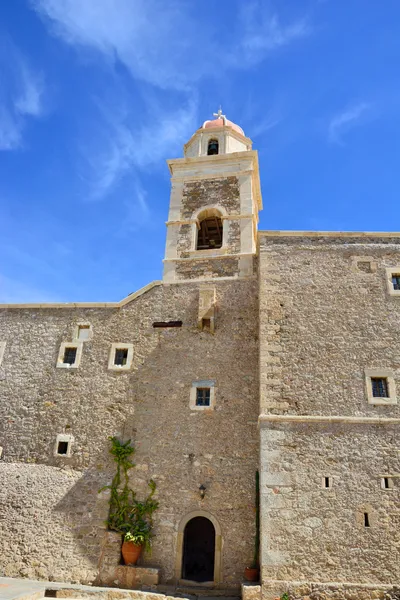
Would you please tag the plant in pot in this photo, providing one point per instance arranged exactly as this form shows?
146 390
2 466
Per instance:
129 516
252 573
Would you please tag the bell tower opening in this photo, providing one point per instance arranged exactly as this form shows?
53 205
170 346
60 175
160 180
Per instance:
209 235
198 550
213 147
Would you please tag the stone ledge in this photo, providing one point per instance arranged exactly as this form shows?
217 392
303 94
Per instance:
251 591
130 577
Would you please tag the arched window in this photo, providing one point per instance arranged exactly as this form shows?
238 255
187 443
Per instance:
210 233
213 147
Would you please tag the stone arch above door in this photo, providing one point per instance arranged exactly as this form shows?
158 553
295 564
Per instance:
218 543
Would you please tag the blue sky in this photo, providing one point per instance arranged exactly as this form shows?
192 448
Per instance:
95 95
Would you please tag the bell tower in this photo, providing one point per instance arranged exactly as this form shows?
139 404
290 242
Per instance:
214 204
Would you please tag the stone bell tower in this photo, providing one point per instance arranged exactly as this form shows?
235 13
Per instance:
215 199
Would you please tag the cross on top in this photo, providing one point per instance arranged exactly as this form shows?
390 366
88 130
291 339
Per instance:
219 115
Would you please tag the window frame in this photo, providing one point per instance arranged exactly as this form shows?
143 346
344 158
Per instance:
390 272
120 346
64 438
371 374
204 384
62 365
84 325
2 351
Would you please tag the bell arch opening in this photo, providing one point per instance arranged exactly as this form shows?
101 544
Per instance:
210 231
212 147
198 556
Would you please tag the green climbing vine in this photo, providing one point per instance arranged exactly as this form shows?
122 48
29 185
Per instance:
127 515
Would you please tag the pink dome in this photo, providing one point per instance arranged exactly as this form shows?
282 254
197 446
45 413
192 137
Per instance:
220 123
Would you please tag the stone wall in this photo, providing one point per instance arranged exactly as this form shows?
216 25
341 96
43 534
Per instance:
203 193
301 590
324 319
50 507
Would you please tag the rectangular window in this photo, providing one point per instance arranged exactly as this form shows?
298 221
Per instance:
327 482
387 483
121 356
202 396
366 520
380 387
62 448
396 281
69 355
83 332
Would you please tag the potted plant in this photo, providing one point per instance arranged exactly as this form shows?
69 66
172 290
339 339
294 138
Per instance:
252 573
129 516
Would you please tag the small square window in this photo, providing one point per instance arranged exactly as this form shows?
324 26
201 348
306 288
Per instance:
62 448
396 281
63 445
121 356
393 280
203 397
83 333
69 355
380 388
387 483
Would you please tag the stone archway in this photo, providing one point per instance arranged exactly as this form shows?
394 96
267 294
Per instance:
199 545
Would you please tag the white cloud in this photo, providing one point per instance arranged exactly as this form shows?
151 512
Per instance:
263 33
129 144
30 100
169 44
172 46
345 120
21 96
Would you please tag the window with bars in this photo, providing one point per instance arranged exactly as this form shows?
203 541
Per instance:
210 234
121 356
203 397
396 281
380 388
69 357
213 147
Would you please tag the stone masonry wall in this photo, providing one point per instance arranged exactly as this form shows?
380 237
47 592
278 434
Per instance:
51 516
206 192
325 317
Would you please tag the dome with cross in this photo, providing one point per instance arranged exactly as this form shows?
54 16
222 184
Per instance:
221 121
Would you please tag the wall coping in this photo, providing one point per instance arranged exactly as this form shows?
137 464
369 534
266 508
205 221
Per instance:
344 234
119 304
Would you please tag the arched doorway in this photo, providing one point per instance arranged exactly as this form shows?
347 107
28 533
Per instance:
198 557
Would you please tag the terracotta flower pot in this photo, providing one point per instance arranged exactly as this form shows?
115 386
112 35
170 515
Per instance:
130 552
251 574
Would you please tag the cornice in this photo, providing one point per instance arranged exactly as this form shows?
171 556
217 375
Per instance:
264 419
